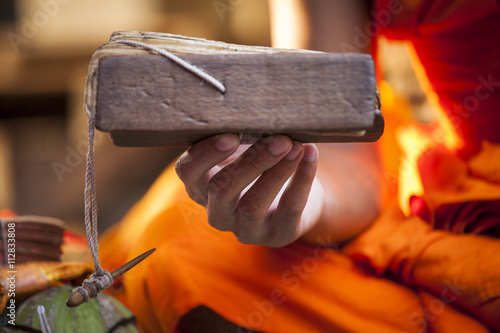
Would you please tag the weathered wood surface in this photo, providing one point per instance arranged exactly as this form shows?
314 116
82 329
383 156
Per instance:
144 99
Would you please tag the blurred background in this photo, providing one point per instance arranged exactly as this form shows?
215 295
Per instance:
45 47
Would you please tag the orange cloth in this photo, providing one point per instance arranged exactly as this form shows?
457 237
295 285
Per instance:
298 288
456 44
302 288
462 271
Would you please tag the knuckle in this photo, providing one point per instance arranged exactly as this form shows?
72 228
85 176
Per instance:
197 197
181 168
266 238
246 239
216 223
252 159
220 195
220 186
244 233
255 166
250 209
221 178
214 191
247 233
234 169
255 162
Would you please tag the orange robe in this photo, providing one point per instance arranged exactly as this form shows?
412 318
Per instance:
414 273
400 275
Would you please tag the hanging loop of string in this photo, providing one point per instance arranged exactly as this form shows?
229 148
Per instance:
102 279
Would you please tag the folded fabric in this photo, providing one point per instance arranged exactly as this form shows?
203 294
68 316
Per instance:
298 288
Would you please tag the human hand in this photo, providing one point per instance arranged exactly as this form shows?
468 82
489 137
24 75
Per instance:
243 190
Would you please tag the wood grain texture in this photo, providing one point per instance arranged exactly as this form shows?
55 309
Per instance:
146 100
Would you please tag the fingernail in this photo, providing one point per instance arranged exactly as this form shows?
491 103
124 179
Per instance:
310 153
278 145
226 142
296 149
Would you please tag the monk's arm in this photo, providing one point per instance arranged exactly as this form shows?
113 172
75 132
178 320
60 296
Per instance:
348 173
350 177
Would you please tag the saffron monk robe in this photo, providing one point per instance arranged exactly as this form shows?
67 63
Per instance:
321 257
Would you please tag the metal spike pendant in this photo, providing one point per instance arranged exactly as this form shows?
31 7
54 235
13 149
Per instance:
77 298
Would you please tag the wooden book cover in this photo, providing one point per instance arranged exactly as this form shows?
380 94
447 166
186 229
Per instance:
144 99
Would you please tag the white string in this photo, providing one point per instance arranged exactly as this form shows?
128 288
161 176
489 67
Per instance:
90 202
179 61
102 279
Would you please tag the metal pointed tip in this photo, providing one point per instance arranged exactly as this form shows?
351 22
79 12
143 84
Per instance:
76 298
131 264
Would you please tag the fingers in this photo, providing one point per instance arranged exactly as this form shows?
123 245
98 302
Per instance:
194 166
225 187
285 223
238 192
253 207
